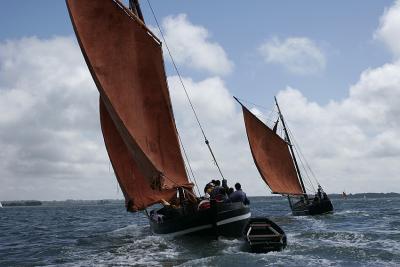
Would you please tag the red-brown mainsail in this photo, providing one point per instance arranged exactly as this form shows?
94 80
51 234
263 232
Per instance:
136 114
271 156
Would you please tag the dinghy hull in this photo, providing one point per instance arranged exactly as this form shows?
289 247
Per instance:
263 235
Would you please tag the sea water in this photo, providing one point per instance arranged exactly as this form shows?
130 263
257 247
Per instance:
361 232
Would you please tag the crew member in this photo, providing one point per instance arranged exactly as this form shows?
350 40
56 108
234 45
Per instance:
239 195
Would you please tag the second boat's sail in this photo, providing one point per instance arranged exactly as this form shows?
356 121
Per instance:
271 156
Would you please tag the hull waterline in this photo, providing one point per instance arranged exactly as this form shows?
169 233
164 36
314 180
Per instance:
312 208
225 219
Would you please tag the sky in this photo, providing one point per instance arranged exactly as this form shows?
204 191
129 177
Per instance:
334 68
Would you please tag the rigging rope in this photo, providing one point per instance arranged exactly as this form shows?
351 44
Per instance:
186 93
268 118
256 105
303 163
301 155
188 162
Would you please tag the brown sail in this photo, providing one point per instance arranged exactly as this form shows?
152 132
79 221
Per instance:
140 193
125 60
271 156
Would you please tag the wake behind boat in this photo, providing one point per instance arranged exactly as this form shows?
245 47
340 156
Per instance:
276 162
126 63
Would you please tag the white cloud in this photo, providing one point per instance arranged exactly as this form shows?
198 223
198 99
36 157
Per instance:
299 55
190 46
50 140
389 28
51 145
223 123
354 143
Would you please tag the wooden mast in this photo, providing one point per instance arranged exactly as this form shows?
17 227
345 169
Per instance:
291 148
135 7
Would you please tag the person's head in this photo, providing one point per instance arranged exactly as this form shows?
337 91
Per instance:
230 190
217 182
210 189
238 186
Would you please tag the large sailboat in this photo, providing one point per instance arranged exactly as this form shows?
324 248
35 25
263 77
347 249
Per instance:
276 162
126 62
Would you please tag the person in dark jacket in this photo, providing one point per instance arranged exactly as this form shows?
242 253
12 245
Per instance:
219 192
239 195
217 189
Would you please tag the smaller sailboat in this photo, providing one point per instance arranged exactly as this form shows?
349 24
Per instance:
276 162
1 205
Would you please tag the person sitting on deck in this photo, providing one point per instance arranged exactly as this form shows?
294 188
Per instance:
230 191
316 199
208 189
320 191
239 195
218 193
217 189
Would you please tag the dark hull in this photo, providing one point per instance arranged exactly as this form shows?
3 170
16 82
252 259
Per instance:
263 235
222 219
312 208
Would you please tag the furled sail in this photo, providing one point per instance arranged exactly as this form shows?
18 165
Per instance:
271 156
125 60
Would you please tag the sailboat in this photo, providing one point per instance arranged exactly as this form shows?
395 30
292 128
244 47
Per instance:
126 63
1 205
276 162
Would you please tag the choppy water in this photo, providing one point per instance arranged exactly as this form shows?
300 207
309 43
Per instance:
360 233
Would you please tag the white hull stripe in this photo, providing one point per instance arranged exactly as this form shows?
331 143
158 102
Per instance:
187 231
207 226
234 219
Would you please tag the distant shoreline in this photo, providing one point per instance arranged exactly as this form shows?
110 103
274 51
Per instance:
15 203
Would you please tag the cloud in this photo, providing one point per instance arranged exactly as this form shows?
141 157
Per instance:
49 128
353 143
190 46
222 121
51 145
389 28
299 55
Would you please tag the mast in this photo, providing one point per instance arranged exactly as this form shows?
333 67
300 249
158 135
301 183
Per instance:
135 7
290 147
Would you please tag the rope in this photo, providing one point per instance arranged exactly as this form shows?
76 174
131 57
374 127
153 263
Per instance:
271 112
256 105
186 93
303 167
188 163
305 160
